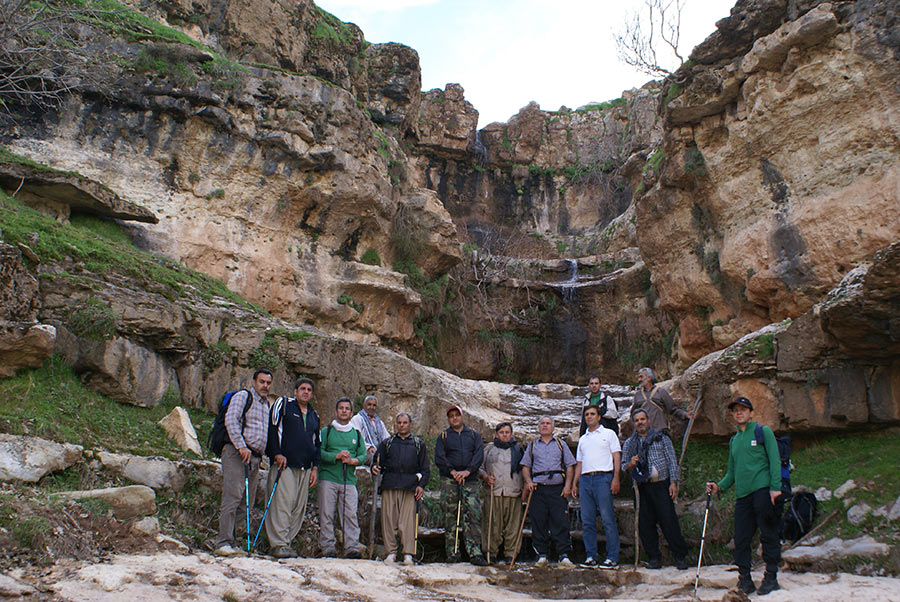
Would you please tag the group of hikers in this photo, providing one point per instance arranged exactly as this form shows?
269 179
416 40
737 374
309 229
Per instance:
544 475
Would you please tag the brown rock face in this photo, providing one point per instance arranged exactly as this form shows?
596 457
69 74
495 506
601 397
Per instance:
23 342
833 367
774 165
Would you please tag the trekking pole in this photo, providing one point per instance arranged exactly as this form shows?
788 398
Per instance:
375 480
702 541
247 502
343 509
637 518
458 516
521 529
490 523
271 495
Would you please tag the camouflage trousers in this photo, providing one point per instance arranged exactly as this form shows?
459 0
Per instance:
469 518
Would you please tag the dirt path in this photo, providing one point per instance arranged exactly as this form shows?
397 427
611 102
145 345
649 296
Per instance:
166 576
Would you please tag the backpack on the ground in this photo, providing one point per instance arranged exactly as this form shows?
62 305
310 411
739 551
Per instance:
784 453
218 435
799 516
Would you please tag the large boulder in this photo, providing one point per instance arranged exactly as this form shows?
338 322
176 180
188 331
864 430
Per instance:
125 502
157 473
178 425
28 459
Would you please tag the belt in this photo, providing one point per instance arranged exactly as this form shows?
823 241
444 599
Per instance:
597 472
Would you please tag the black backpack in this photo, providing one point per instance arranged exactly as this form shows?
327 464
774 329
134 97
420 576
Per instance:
799 516
218 436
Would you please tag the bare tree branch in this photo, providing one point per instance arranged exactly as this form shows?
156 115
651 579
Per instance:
637 44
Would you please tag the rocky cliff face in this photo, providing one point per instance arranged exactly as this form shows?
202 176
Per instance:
319 181
780 170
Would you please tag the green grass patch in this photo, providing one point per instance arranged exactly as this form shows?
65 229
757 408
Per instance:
371 257
51 402
102 252
602 106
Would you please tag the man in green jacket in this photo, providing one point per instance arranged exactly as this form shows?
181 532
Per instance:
754 468
343 449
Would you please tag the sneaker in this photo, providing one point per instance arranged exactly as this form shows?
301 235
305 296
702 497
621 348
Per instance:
769 585
589 563
565 562
541 561
478 561
408 560
390 558
283 552
745 584
608 565
681 564
654 563
225 550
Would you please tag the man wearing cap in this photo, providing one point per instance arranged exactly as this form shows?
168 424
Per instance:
755 471
656 401
458 454
651 461
548 468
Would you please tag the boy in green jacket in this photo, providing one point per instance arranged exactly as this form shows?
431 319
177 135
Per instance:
343 449
755 472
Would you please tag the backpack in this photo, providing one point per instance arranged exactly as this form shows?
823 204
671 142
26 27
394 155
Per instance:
218 435
562 461
799 516
784 452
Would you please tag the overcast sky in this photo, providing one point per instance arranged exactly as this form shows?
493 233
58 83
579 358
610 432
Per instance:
506 53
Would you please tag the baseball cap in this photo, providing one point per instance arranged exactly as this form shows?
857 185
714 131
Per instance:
743 401
457 408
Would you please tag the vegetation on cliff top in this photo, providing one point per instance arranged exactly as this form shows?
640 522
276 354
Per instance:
103 248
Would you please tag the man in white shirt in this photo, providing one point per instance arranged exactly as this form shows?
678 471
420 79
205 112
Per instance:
597 463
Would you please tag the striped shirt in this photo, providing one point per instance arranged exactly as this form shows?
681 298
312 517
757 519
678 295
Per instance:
256 423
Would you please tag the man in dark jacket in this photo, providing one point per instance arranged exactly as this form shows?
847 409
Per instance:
609 413
458 454
403 460
294 446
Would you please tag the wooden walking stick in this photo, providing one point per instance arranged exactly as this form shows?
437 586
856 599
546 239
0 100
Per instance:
375 480
690 424
637 512
490 522
458 517
521 529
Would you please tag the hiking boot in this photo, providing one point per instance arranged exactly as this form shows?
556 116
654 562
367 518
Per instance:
745 584
283 552
681 564
565 562
768 585
225 550
329 553
541 561
654 563
589 563
353 555
408 560
478 561
452 559
608 565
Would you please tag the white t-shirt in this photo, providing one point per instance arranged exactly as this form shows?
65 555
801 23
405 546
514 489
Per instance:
595 450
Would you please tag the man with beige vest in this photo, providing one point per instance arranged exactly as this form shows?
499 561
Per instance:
502 475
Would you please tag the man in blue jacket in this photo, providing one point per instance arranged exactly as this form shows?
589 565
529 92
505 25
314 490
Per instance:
458 454
294 446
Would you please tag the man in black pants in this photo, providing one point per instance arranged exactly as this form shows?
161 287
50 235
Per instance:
754 468
548 469
651 461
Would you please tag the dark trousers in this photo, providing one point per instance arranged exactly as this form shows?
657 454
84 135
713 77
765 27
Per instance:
658 507
549 520
751 512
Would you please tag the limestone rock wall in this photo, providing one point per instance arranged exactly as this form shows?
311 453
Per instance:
780 170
